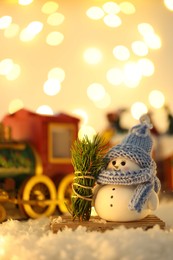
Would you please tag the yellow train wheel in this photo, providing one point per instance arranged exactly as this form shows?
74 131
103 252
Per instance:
39 197
64 192
3 213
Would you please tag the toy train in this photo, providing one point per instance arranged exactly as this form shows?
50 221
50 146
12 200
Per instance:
35 162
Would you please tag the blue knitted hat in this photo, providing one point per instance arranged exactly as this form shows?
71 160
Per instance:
136 146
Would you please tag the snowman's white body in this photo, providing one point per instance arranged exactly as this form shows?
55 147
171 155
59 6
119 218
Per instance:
111 201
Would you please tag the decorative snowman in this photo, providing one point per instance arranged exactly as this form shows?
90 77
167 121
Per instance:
127 189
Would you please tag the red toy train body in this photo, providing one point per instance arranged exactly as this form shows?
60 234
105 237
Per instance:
48 140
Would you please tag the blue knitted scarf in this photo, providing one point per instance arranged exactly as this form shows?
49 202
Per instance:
144 179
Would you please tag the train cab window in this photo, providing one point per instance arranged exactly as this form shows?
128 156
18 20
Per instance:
60 139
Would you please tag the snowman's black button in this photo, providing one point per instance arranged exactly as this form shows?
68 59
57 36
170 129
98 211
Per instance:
112 197
111 205
113 189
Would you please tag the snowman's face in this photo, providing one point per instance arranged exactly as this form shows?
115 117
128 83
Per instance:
123 164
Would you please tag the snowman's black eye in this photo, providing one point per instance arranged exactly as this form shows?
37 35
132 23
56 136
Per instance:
123 163
114 162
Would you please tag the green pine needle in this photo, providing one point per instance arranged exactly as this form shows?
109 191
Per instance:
87 160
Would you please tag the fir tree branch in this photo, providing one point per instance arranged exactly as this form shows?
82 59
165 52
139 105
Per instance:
87 160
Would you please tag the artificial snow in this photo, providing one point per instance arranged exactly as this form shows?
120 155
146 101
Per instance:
33 240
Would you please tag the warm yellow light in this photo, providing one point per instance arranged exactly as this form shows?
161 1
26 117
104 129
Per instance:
114 76
35 27
9 69
52 87
44 110
28 33
153 41
55 19
138 109
14 73
145 28
49 7
132 74
6 66
121 52
139 48
57 73
127 8
146 66
3 247
169 4
88 131
156 99
81 114
95 13
92 55
25 2
5 21
112 20
95 91
11 31
104 102
15 105
111 7
54 38
26 36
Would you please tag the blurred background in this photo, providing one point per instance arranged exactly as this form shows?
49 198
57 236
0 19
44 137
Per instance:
88 59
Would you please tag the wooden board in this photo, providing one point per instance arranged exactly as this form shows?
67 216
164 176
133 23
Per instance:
97 224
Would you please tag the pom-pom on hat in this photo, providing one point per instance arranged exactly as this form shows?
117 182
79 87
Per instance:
136 146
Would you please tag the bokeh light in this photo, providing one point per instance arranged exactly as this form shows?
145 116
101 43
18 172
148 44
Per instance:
25 2
54 38
11 31
88 131
55 19
49 7
146 67
5 21
103 102
138 109
112 20
127 8
81 114
95 91
104 44
9 69
153 41
169 4
14 73
139 48
15 105
156 99
92 55
114 76
111 7
56 73
95 13
44 110
6 66
131 74
121 52
145 29
52 87
29 33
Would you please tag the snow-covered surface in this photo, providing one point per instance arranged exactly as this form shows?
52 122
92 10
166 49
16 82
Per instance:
33 240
